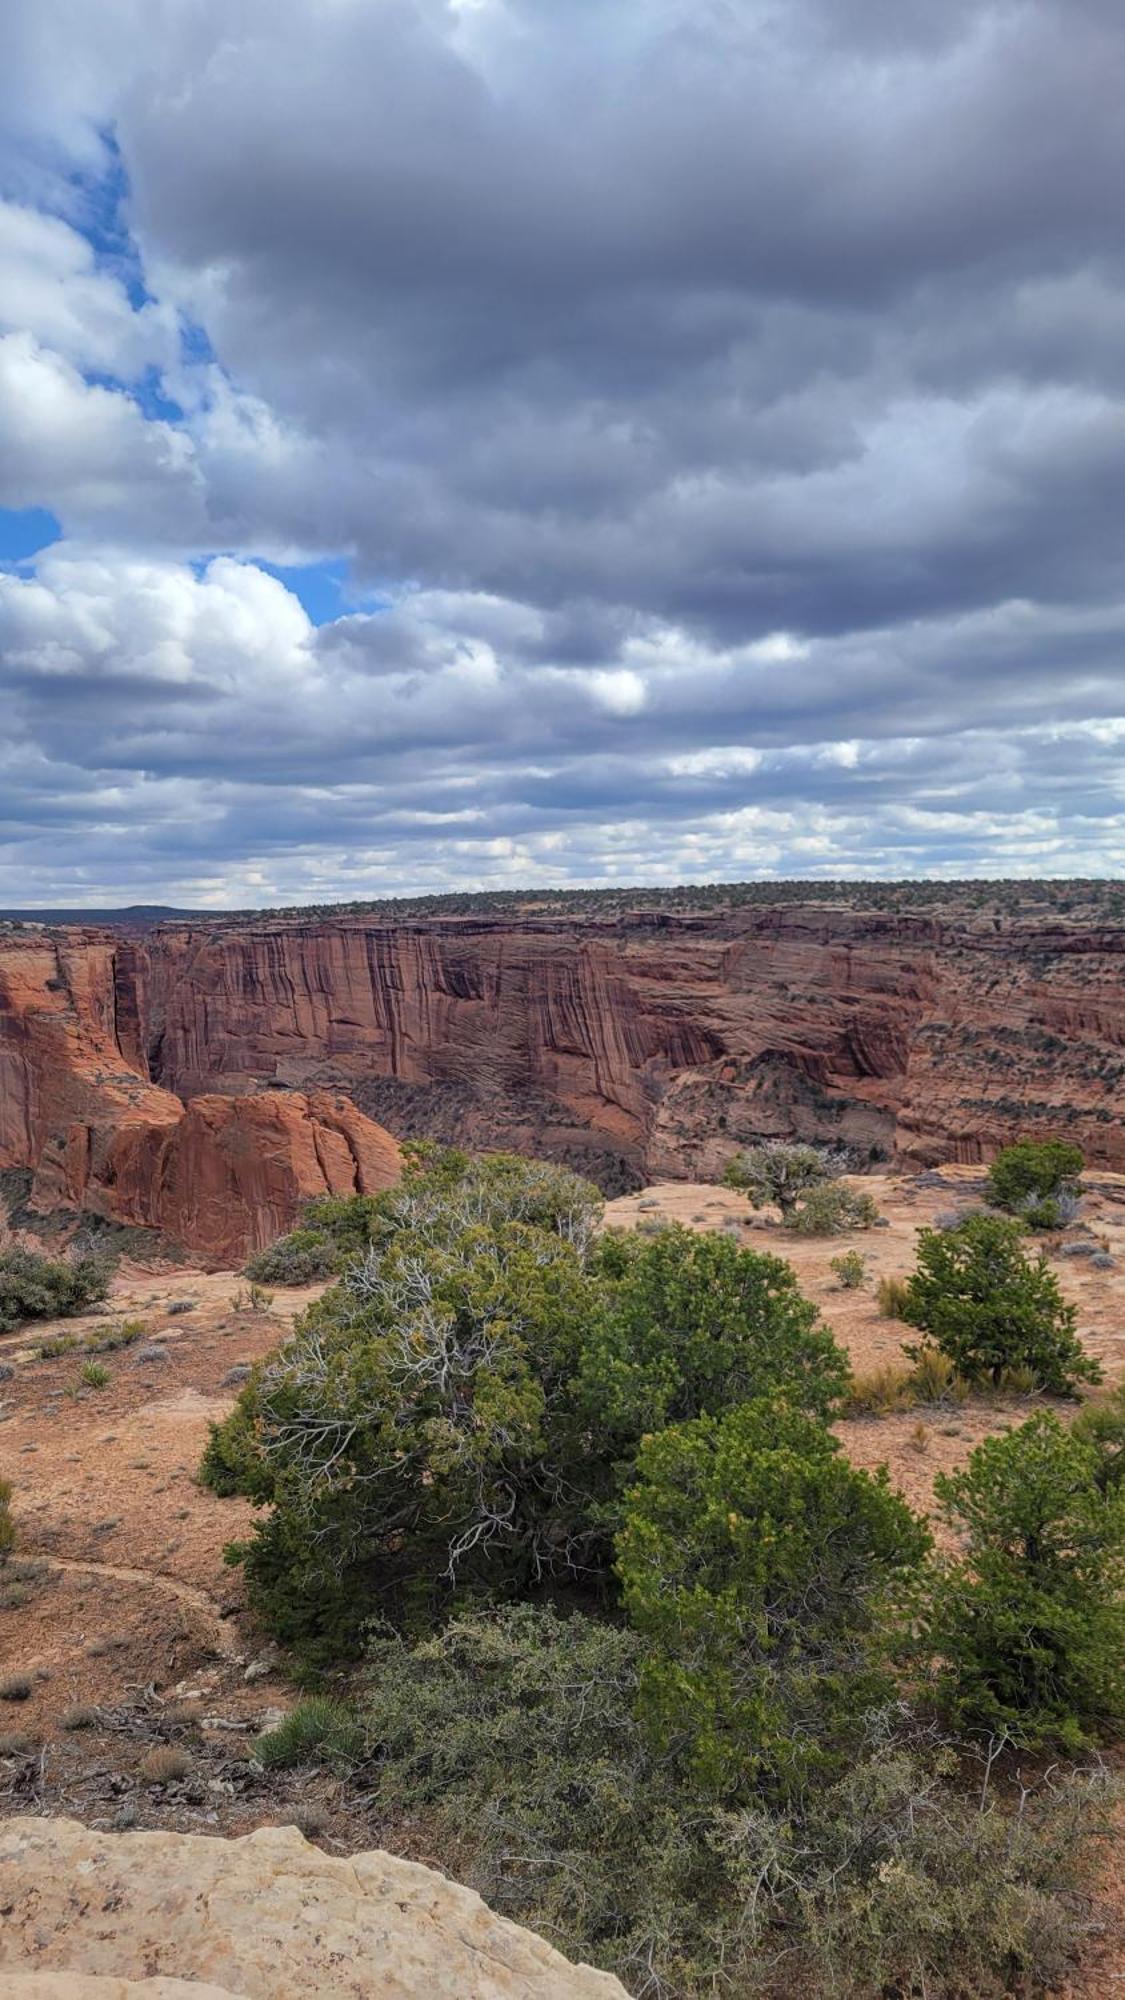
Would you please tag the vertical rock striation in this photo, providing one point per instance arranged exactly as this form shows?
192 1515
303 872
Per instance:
646 1044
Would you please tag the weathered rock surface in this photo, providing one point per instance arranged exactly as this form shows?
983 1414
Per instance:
231 1174
267 1917
643 1045
223 1175
90 1986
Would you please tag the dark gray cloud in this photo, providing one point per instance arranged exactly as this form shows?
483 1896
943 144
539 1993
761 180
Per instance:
725 403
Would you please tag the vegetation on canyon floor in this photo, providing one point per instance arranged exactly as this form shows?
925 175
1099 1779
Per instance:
644 1657
37 1287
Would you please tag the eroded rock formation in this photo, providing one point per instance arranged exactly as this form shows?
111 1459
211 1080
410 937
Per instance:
643 1045
223 1175
267 1917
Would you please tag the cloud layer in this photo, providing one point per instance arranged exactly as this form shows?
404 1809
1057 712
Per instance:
718 413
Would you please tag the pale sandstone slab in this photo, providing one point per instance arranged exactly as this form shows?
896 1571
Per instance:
266 1917
91 1986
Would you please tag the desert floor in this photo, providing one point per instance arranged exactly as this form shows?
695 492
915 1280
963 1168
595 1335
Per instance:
120 1611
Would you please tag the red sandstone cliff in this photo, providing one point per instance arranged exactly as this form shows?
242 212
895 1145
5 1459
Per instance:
222 1176
645 1044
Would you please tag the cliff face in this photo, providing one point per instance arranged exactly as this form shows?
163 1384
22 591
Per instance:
648 1046
639 1046
222 1176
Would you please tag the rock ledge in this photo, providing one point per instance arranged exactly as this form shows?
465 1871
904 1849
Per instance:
266 1917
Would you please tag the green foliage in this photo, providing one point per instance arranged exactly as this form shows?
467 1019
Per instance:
728 1793
300 1258
35 1287
417 1437
833 1210
439 1186
759 1563
317 1731
510 1744
94 1376
779 1172
989 1307
1034 1178
1029 1625
125 1334
233 1461
902 1881
684 1323
7 1525
850 1269
456 1417
1101 1423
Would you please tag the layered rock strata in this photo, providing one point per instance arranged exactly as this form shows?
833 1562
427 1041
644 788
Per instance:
222 1176
638 1046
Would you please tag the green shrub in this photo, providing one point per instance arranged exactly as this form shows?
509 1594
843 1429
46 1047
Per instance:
892 1296
441 1190
94 1375
903 1881
125 1334
989 1307
317 1731
300 1258
782 1173
459 1414
759 1563
417 1435
1037 1180
35 1287
832 1211
1029 1625
685 1324
255 1300
850 1269
510 1744
1101 1423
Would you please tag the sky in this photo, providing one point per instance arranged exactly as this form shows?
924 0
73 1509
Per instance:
449 443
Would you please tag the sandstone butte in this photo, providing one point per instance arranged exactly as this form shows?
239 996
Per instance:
176 1916
637 1046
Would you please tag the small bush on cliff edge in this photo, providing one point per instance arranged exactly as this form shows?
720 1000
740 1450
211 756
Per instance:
36 1287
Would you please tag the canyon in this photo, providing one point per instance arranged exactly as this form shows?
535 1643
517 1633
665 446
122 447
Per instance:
203 1077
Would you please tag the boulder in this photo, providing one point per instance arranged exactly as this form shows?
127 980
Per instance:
264 1917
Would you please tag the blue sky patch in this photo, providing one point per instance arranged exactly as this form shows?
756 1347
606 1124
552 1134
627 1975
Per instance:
24 531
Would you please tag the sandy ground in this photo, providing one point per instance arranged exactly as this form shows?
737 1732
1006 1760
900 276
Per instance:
124 1618
915 1444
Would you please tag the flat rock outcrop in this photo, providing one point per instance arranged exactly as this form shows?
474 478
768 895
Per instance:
266 1917
90 1986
